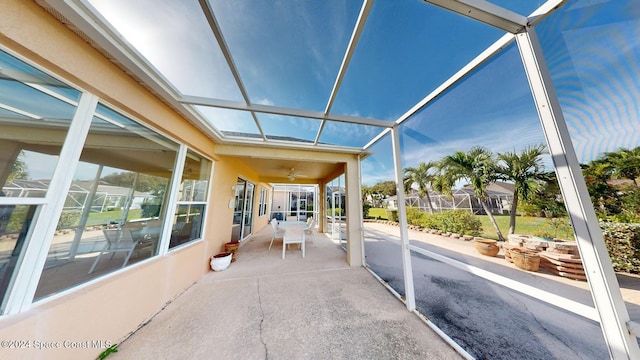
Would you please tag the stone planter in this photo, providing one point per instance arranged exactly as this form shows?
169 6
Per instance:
486 247
232 247
220 262
525 259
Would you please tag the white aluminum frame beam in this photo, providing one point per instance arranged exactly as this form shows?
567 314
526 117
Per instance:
29 269
86 19
614 317
407 268
485 12
495 48
222 43
276 110
367 5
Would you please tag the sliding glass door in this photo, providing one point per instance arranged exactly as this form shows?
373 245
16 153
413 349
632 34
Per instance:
243 211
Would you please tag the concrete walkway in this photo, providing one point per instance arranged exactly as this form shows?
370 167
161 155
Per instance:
264 307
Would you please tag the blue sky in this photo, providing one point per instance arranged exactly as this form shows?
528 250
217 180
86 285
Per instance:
594 60
288 54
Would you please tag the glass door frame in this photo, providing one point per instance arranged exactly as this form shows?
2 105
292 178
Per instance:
243 210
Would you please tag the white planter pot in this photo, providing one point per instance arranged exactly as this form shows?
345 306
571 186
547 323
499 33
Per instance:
220 261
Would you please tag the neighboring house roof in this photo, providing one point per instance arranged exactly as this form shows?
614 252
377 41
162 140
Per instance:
497 188
503 187
76 186
270 137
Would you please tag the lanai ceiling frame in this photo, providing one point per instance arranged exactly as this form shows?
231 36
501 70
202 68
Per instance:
82 17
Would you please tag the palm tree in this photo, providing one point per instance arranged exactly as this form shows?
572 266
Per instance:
421 175
625 163
479 167
525 169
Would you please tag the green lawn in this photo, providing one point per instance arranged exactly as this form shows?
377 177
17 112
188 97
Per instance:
378 213
107 216
526 225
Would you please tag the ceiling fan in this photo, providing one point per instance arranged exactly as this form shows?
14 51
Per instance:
293 175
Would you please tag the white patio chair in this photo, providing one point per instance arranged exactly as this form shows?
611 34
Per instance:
311 224
293 234
277 231
118 240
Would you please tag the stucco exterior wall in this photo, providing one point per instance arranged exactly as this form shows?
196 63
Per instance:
107 309
104 311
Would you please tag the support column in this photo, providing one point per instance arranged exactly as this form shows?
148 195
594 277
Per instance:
407 269
322 207
355 251
602 281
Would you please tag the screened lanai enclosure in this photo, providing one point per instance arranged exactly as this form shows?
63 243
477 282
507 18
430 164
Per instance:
393 84
550 85
461 199
294 200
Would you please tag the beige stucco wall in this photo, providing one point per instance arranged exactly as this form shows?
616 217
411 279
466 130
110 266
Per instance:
109 308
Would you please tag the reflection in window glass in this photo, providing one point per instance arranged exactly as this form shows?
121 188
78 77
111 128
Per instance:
113 212
35 113
336 210
593 52
192 197
15 221
263 202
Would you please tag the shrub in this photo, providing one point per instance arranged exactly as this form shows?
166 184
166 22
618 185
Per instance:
365 210
460 222
335 212
623 245
150 210
432 221
415 216
392 214
456 221
69 219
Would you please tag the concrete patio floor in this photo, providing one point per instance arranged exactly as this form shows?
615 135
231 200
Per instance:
264 307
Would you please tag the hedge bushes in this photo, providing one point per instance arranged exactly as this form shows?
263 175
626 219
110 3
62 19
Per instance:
454 221
392 214
69 219
623 244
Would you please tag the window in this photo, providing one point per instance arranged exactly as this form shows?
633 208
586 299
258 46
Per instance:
192 198
36 111
263 202
115 206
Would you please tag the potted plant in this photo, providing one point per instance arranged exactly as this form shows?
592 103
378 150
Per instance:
525 259
486 247
232 247
221 261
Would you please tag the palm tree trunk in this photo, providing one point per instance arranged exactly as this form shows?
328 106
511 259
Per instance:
512 215
429 201
493 220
